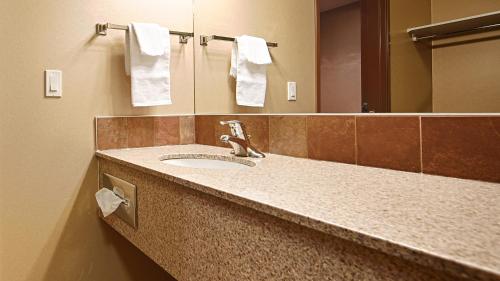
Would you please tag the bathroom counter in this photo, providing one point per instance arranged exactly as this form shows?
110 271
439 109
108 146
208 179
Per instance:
448 224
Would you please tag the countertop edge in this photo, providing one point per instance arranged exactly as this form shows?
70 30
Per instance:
392 248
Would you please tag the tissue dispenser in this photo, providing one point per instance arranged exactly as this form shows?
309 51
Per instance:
127 212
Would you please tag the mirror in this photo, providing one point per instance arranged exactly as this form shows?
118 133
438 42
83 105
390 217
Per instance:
290 23
352 56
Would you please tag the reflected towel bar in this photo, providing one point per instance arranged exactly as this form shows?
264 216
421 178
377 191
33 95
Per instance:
456 27
102 29
204 40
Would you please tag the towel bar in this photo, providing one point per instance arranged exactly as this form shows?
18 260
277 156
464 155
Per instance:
457 27
204 40
102 29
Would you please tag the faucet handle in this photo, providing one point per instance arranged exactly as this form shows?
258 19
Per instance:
237 128
230 122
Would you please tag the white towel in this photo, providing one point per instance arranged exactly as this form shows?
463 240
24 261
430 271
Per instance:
148 67
249 59
152 38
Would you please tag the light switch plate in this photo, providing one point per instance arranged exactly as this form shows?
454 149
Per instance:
53 83
292 91
127 212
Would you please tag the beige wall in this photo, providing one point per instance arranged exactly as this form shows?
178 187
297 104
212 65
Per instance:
410 63
291 23
49 228
341 59
466 69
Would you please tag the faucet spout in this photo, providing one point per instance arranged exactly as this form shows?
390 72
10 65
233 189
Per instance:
239 145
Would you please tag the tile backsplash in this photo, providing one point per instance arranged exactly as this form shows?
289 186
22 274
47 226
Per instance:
288 135
456 146
128 132
389 142
332 138
465 147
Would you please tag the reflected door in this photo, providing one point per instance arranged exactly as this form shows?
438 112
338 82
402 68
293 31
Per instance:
352 56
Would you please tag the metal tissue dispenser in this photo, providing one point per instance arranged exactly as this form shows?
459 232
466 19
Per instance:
126 191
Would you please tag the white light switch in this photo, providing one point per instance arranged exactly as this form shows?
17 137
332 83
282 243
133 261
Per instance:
53 83
292 91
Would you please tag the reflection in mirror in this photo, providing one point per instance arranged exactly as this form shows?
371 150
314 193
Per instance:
339 56
455 74
352 56
290 23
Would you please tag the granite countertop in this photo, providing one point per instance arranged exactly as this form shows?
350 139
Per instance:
445 223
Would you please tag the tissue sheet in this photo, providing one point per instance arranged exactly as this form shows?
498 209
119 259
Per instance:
107 201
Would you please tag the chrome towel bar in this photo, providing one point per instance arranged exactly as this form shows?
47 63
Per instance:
204 40
102 29
456 27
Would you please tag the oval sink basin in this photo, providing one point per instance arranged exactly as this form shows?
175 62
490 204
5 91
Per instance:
205 161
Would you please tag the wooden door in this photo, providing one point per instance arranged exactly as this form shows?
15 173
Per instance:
375 93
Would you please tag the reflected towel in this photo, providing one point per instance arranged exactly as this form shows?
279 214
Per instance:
249 59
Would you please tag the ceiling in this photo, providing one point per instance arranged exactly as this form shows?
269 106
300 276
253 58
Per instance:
325 5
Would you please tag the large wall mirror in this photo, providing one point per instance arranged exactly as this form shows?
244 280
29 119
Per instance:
352 56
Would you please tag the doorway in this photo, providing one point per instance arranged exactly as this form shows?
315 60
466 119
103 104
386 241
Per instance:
352 56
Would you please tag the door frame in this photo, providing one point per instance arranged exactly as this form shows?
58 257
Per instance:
375 55
318 55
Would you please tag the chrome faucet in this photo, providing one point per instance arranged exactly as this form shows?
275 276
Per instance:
240 141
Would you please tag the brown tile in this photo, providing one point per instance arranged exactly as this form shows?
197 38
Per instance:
166 130
389 142
464 147
140 131
205 129
187 130
111 133
257 127
331 138
287 135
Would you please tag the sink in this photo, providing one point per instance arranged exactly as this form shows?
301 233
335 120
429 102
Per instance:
207 161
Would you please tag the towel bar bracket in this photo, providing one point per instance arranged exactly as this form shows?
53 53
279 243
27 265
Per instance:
204 40
183 39
101 29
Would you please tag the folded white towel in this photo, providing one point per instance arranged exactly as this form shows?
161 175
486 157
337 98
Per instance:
151 38
249 59
150 74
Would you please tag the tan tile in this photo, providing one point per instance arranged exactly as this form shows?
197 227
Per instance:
463 147
140 131
166 130
205 129
257 127
111 133
389 142
187 130
287 135
331 138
